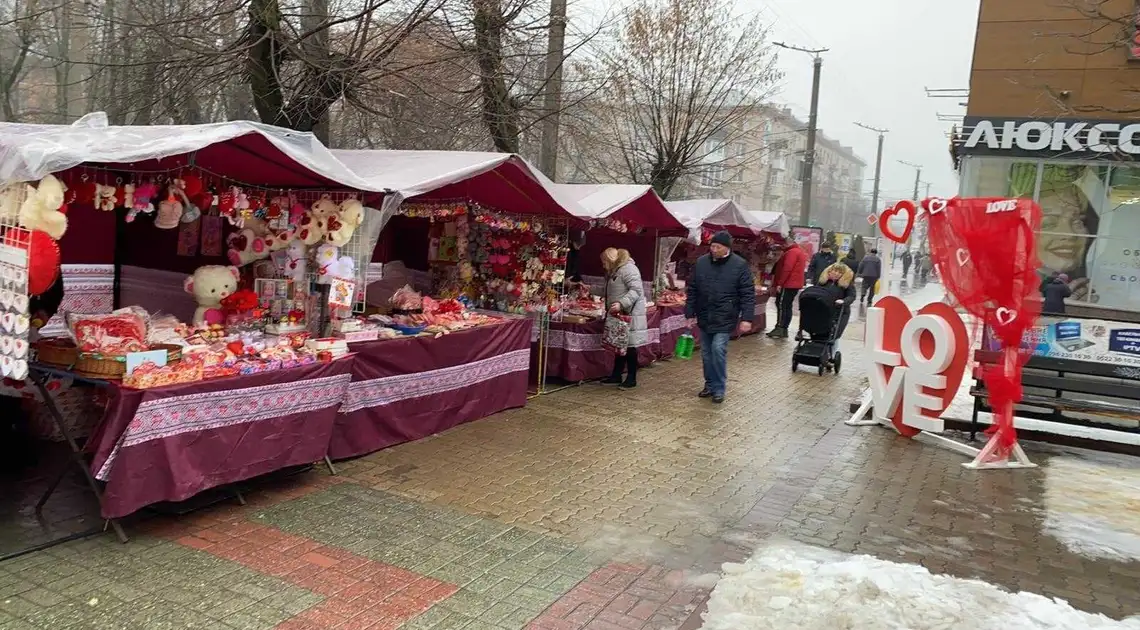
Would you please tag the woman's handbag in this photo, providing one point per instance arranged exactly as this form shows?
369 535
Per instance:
615 335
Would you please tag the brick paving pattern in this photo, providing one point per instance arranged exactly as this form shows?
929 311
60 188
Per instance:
590 508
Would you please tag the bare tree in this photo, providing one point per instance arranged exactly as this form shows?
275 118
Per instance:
688 79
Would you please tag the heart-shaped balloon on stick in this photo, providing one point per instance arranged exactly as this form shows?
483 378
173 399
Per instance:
904 207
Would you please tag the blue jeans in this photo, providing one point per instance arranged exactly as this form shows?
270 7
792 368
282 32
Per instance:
714 359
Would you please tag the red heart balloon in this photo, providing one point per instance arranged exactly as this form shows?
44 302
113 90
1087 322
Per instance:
43 263
885 217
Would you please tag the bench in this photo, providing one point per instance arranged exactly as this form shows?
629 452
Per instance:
1054 389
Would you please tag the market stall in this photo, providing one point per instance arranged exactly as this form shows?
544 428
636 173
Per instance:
476 248
756 237
216 209
630 217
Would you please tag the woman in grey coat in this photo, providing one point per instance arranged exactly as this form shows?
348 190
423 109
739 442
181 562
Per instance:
625 295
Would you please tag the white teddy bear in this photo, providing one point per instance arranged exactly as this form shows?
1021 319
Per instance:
209 285
245 247
342 226
40 210
331 265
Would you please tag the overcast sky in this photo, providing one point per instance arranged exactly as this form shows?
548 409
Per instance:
883 53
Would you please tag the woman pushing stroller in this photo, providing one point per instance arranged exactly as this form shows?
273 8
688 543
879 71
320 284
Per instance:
839 281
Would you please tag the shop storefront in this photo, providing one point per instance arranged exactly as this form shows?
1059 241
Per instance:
1086 177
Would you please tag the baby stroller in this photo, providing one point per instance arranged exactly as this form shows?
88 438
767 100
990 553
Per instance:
819 330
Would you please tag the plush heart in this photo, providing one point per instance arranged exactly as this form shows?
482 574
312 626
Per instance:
43 263
885 217
896 316
239 242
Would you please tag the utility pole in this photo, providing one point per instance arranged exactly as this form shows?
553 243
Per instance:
917 175
809 152
552 98
878 171
928 184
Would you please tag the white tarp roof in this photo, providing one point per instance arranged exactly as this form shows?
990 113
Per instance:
771 221
242 151
502 181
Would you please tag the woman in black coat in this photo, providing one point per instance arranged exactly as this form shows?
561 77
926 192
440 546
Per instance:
839 282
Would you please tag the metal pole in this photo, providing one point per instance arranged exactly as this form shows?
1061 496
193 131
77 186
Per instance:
917 175
809 153
878 172
875 191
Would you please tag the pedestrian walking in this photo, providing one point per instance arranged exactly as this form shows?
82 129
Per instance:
925 265
625 295
821 260
851 260
870 270
721 300
907 259
1055 291
787 280
839 282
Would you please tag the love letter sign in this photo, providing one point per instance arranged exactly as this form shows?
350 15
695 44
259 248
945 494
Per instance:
918 361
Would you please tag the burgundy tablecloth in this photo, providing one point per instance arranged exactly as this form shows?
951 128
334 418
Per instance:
673 324
407 389
170 443
574 351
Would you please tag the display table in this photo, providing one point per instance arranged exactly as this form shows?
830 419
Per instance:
407 389
673 324
574 351
170 443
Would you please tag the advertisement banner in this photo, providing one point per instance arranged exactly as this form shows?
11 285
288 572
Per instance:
1091 340
809 238
843 242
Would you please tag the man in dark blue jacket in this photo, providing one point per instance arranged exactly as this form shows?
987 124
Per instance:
721 300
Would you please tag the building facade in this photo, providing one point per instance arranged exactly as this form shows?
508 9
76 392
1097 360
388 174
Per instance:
772 180
1053 115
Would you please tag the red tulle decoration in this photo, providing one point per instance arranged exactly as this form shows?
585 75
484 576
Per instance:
986 254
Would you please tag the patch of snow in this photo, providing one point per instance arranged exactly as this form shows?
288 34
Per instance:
789 585
1090 505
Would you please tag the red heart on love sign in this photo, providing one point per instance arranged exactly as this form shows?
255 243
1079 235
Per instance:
885 217
896 316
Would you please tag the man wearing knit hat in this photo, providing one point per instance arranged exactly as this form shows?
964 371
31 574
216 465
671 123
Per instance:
721 300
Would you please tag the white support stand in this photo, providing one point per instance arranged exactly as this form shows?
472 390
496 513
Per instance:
984 461
982 458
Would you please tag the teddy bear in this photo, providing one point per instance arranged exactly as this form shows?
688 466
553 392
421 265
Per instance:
312 228
209 285
296 262
245 247
105 197
279 240
324 207
330 264
343 225
41 208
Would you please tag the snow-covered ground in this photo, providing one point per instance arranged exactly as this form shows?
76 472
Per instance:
1092 505
788 585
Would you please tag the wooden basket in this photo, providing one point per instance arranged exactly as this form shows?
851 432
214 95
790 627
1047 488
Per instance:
56 351
114 367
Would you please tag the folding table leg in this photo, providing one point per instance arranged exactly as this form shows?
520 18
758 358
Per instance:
332 469
76 453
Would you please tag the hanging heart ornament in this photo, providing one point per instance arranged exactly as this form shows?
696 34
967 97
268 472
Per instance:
904 206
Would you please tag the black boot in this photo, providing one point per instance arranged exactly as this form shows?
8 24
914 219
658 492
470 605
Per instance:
615 376
631 369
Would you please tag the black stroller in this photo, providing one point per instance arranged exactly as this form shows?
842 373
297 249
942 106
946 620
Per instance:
820 317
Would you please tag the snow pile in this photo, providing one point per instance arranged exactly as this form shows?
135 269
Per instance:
788 586
1091 506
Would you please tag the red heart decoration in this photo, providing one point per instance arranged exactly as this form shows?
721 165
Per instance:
885 217
238 242
226 202
191 185
896 315
43 263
